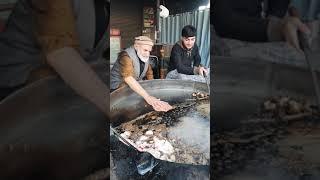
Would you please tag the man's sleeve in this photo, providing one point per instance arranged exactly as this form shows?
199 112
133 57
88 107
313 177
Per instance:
197 57
126 67
177 59
54 24
149 73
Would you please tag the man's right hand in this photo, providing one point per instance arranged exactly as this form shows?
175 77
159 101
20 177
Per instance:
154 102
157 104
290 31
293 24
201 71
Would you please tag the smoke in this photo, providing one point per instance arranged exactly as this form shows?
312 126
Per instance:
194 131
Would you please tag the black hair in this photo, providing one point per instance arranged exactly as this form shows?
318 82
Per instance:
189 31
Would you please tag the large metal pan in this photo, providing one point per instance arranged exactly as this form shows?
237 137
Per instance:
126 105
49 132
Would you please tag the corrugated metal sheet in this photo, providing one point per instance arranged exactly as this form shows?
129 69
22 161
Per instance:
126 15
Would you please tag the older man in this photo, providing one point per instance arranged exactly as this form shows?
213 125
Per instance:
132 66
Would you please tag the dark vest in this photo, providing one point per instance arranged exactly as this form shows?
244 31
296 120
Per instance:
115 75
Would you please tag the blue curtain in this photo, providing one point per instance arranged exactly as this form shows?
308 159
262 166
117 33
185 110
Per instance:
309 9
170 30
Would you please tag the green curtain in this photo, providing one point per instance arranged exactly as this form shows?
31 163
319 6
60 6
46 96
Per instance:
170 30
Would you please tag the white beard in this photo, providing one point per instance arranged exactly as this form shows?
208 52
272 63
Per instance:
142 58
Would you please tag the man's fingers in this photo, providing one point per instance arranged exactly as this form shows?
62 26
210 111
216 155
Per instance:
158 108
159 105
303 28
291 32
206 72
165 106
292 39
201 72
162 106
299 24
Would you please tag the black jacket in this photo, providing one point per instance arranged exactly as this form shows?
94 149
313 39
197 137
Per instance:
182 60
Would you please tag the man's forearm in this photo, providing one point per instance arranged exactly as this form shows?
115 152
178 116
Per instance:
68 63
156 104
135 86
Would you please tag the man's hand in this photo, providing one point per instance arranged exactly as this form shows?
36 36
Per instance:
154 102
83 79
203 71
293 24
157 104
200 70
290 31
288 28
